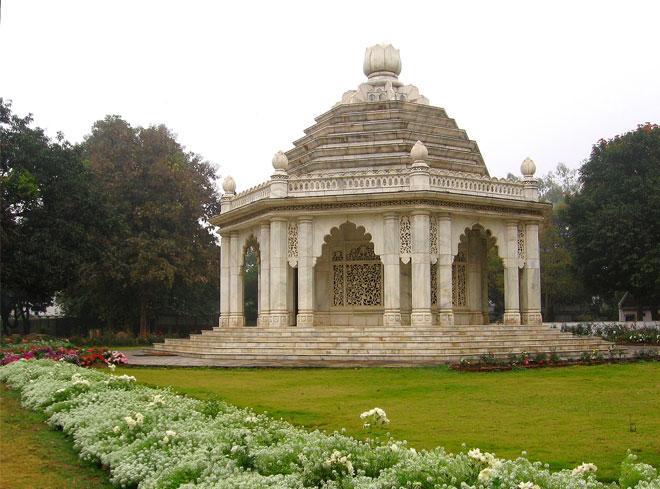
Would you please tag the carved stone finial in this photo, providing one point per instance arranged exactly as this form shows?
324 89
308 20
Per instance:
280 161
528 168
382 60
419 152
229 185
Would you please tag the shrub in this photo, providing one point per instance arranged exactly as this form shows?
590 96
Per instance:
152 438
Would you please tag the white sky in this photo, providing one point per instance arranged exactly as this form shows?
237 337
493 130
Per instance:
239 80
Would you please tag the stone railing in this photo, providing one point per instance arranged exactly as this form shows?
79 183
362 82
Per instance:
379 181
350 183
261 191
465 183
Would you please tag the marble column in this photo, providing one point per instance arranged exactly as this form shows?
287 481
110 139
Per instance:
531 286
264 274
445 259
278 272
305 316
224 280
236 317
420 225
391 272
511 287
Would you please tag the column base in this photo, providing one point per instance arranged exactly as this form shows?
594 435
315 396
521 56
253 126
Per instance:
236 321
278 319
263 320
532 318
446 318
512 318
392 318
305 319
223 321
421 318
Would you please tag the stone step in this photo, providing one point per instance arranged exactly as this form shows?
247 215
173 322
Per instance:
389 342
313 359
472 349
376 345
406 330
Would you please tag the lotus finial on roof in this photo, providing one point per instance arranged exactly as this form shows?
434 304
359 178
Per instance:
280 161
382 60
528 168
229 185
419 152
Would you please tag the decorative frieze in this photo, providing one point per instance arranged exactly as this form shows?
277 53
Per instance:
440 204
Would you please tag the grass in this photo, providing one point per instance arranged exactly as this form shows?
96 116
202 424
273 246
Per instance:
34 456
562 416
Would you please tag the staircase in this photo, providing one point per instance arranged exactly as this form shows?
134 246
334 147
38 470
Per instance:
344 346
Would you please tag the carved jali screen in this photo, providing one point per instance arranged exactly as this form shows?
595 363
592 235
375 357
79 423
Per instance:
357 275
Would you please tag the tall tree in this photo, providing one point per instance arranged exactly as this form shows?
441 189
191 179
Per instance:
152 246
614 221
560 283
46 202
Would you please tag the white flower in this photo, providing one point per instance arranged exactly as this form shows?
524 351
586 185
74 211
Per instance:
170 433
486 474
475 454
584 468
251 419
375 416
528 485
112 366
338 460
116 429
157 400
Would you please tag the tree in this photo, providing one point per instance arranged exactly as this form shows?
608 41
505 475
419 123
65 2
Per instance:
153 249
46 202
614 221
560 283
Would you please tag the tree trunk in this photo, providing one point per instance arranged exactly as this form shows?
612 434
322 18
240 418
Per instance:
144 326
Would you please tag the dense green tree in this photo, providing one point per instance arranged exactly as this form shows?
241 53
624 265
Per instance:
46 203
154 252
560 284
614 221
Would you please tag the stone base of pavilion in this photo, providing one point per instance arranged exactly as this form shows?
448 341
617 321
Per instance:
348 346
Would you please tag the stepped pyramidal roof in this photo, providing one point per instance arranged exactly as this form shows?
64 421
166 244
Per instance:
375 127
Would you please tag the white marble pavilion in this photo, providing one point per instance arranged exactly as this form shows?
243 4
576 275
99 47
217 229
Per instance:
382 214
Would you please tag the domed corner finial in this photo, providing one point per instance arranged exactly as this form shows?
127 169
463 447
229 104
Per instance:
280 161
382 60
528 168
229 185
419 152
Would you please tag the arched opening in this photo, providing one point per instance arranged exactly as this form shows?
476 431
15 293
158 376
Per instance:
477 279
349 279
250 272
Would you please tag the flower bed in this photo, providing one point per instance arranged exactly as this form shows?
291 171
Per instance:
152 438
490 363
60 350
623 334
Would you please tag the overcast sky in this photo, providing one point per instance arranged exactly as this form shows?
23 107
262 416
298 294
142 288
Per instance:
238 80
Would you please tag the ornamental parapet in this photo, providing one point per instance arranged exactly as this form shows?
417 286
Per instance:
380 181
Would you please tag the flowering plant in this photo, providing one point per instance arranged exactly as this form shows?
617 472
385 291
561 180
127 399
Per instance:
152 438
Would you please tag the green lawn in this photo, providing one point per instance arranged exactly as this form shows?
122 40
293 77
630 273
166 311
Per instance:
34 456
563 416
